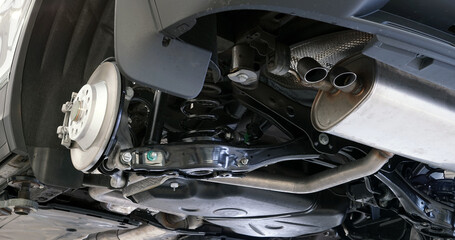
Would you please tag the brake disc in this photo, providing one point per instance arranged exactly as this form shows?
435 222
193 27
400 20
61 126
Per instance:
90 117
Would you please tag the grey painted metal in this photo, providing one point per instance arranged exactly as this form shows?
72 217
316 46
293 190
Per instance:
142 55
396 112
54 224
351 14
145 56
314 183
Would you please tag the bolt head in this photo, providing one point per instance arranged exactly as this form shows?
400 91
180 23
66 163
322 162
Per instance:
126 157
243 77
225 175
243 161
427 210
323 139
152 156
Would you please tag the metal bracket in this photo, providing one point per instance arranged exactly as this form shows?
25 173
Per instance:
62 131
278 55
24 205
205 159
291 117
426 214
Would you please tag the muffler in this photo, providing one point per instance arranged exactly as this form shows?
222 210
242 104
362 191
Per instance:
388 109
370 102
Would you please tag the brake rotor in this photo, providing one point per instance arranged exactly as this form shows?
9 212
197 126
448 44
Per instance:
93 116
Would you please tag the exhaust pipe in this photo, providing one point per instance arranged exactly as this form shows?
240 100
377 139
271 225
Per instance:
376 105
363 167
338 79
314 75
345 81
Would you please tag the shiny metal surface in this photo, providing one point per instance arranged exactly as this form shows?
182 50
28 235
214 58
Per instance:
321 181
329 109
314 75
396 112
345 81
109 74
327 50
330 48
242 68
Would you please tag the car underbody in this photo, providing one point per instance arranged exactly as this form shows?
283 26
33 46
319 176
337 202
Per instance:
229 120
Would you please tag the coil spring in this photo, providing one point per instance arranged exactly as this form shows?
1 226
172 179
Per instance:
201 109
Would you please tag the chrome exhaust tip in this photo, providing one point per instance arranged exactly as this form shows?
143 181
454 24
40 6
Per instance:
345 81
314 75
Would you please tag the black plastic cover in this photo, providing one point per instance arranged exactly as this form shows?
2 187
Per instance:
145 56
248 211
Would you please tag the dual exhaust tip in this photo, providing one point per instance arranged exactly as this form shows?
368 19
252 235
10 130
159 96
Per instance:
337 79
